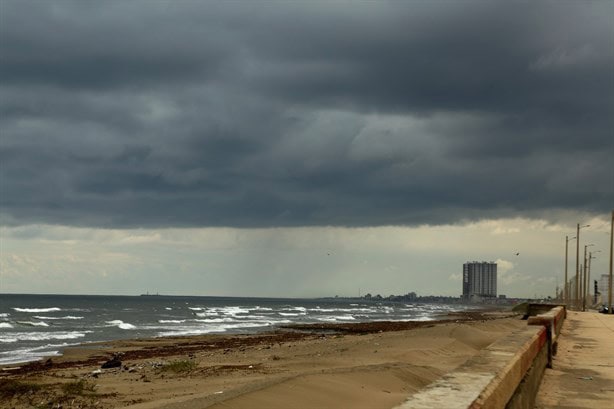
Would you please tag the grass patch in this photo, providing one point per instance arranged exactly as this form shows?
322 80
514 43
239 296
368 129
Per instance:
180 366
79 387
11 387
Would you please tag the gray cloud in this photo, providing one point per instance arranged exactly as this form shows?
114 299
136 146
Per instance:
128 114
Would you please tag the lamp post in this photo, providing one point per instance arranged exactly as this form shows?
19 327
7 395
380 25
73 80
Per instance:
611 251
577 289
584 278
566 286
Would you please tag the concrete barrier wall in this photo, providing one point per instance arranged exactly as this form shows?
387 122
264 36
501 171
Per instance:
553 321
506 374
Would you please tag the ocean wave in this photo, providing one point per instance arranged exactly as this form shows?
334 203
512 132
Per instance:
207 314
41 336
5 325
171 321
4 315
420 319
216 320
13 357
347 310
209 329
293 308
121 324
68 317
33 323
234 310
37 309
336 318
32 354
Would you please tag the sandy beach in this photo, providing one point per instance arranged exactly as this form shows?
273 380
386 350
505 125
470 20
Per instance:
371 365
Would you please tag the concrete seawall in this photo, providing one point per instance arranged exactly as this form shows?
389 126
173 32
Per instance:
506 374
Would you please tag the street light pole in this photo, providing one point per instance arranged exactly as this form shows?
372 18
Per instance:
576 292
566 286
611 250
584 291
577 289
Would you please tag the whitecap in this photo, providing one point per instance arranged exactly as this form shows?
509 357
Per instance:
24 355
37 309
68 317
421 319
33 323
41 336
207 314
336 318
171 321
233 310
216 320
5 325
185 331
4 315
121 324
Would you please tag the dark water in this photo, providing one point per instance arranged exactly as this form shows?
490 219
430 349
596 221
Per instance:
35 326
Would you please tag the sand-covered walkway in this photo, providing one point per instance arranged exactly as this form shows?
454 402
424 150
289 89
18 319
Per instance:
583 370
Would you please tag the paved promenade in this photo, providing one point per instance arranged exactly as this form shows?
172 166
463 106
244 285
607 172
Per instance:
583 370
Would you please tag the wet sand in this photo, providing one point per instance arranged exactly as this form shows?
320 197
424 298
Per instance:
370 365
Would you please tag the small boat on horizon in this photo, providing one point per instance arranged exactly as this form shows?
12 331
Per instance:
150 295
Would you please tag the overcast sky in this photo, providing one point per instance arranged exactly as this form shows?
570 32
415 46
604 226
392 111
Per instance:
301 148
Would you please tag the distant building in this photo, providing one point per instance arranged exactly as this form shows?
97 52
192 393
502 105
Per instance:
602 285
479 280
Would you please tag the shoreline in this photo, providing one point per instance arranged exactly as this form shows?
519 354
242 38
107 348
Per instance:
68 353
36 328
407 355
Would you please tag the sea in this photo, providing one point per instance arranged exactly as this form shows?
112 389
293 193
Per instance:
34 327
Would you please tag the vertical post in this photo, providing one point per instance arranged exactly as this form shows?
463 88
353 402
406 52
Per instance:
576 291
611 250
566 289
588 279
584 281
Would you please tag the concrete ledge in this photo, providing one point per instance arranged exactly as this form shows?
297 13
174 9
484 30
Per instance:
536 309
506 374
489 379
553 321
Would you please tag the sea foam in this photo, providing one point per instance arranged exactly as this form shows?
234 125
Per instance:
121 324
37 309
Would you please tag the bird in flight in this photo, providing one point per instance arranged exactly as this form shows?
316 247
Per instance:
517 254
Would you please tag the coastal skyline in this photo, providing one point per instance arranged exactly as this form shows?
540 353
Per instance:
301 149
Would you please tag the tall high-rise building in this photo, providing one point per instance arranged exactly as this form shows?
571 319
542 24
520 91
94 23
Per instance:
479 279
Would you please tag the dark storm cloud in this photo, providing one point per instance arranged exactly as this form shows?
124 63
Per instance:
147 113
